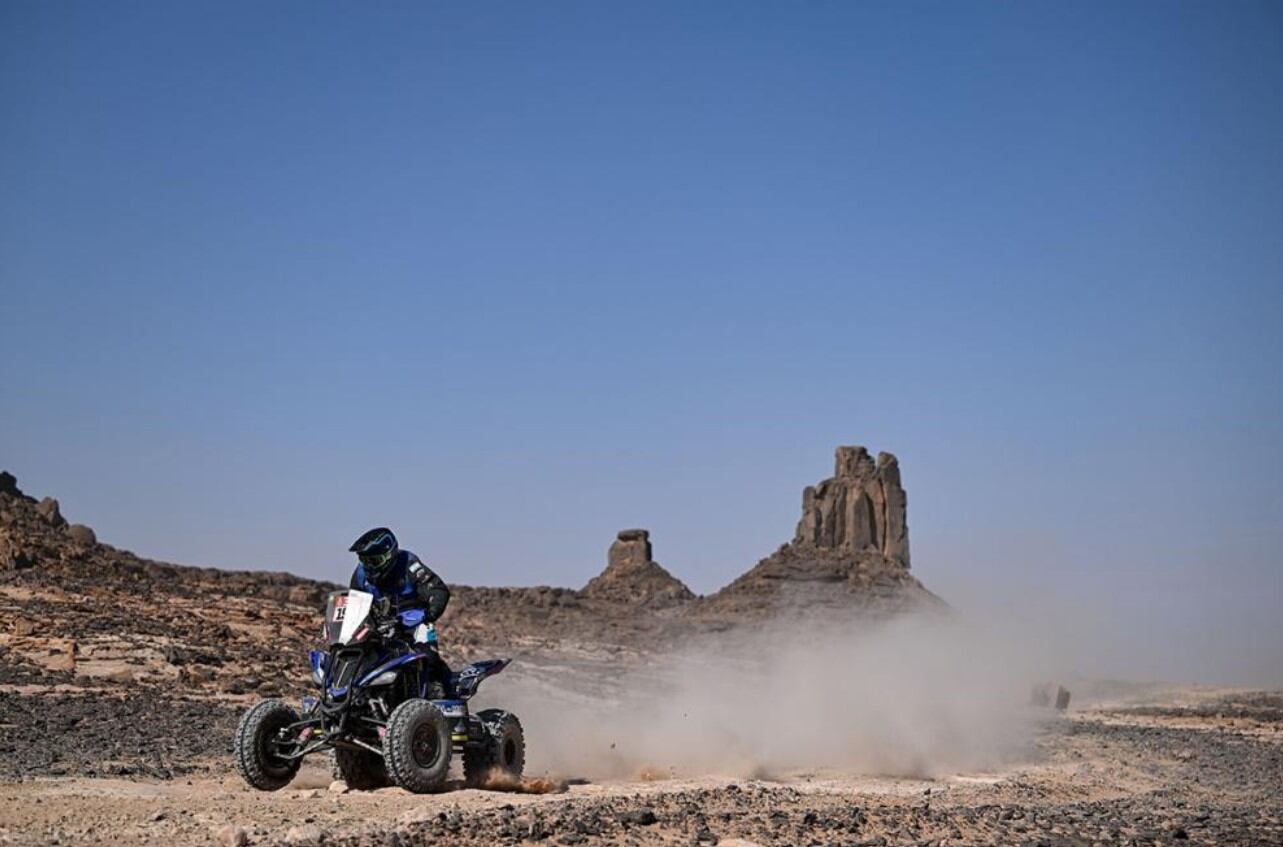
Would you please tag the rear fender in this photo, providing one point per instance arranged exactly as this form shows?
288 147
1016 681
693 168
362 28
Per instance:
466 680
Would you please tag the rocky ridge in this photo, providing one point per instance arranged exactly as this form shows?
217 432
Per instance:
79 614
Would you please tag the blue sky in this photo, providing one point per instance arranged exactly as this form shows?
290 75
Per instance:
510 277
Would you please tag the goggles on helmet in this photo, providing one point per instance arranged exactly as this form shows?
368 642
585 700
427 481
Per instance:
377 561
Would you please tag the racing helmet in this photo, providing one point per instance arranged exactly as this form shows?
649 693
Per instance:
377 550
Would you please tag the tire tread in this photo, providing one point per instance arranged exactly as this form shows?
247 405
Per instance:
479 762
247 753
398 756
361 769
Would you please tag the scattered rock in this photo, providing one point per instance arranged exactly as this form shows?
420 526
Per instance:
177 654
307 834
97 732
231 835
416 816
638 817
704 835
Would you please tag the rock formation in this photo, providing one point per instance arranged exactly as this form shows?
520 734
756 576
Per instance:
862 508
634 578
850 553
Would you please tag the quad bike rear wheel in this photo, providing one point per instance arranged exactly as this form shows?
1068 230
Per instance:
417 747
360 769
503 754
258 744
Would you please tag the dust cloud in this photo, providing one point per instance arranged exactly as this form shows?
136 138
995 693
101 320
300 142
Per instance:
921 695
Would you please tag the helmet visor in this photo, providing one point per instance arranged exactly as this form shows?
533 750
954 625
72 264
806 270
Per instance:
377 561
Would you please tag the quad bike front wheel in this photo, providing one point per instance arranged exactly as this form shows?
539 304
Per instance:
416 747
502 757
258 746
360 769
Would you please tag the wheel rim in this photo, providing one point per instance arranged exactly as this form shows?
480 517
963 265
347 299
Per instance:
426 745
271 745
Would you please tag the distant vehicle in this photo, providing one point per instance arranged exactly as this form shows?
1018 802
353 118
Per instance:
385 720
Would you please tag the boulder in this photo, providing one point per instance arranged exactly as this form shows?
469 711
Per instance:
231 835
1062 698
48 510
306 834
81 535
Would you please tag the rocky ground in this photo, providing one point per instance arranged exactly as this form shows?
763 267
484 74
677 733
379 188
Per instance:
1184 767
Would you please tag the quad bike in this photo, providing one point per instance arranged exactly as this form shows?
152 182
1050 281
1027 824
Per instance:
386 721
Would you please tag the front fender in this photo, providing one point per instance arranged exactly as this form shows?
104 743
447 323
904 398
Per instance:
391 664
320 666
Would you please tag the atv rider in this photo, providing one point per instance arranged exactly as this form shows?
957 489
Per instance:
400 582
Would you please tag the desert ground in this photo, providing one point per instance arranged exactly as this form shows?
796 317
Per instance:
1163 766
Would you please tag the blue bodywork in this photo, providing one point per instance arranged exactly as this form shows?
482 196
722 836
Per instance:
464 682
461 685
387 665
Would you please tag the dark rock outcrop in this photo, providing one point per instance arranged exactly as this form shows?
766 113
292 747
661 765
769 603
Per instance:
9 485
850 554
632 576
